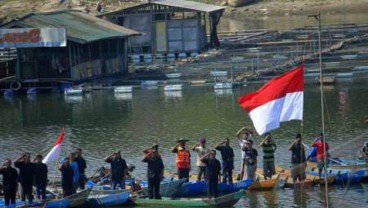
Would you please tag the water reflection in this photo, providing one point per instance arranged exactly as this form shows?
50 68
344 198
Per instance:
73 99
173 94
300 198
223 92
123 96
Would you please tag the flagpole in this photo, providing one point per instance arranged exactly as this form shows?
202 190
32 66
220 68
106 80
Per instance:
318 18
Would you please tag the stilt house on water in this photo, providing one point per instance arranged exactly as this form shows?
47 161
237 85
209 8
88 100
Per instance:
169 27
95 48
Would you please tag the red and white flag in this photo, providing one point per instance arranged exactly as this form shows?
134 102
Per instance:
55 151
280 99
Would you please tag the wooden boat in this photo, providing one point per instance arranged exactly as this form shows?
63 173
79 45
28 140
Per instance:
308 182
78 199
320 181
107 200
263 185
222 201
97 191
195 189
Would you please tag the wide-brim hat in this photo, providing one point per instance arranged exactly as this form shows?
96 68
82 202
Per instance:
182 140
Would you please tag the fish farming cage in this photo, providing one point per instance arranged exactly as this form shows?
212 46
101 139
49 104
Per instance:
275 52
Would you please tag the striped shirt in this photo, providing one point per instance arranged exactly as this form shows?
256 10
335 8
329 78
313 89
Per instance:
268 150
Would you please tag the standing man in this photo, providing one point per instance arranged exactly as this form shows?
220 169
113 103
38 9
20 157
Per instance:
227 156
82 165
10 182
269 148
119 169
67 175
75 167
201 150
26 173
213 170
243 135
41 172
364 151
298 160
155 172
251 155
319 145
182 159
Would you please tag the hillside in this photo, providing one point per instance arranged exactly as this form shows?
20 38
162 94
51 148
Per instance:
12 8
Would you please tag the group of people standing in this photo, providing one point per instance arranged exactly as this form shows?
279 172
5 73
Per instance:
73 172
209 168
35 173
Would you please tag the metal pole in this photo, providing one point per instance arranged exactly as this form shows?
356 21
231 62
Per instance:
318 17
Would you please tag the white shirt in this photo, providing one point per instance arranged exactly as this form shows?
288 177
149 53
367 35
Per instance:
241 143
200 152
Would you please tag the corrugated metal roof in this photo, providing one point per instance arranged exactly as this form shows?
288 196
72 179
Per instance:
80 27
197 6
190 5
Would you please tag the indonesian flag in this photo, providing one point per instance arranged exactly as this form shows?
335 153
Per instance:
280 99
55 151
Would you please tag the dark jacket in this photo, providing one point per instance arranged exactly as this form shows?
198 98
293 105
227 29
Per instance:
82 165
10 179
26 171
213 168
67 174
155 167
40 173
118 168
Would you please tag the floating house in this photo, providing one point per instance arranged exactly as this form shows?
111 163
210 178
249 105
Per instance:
94 48
169 27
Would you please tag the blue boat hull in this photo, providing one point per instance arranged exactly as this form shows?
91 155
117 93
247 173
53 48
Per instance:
56 203
195 189
342 176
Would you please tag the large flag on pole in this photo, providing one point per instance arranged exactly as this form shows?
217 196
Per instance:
280 99
55 151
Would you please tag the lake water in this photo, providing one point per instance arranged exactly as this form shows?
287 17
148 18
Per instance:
102 122
282 23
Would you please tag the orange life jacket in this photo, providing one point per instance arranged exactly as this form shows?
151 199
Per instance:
182 159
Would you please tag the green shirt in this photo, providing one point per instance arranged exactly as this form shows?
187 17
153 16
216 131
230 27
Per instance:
268 150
